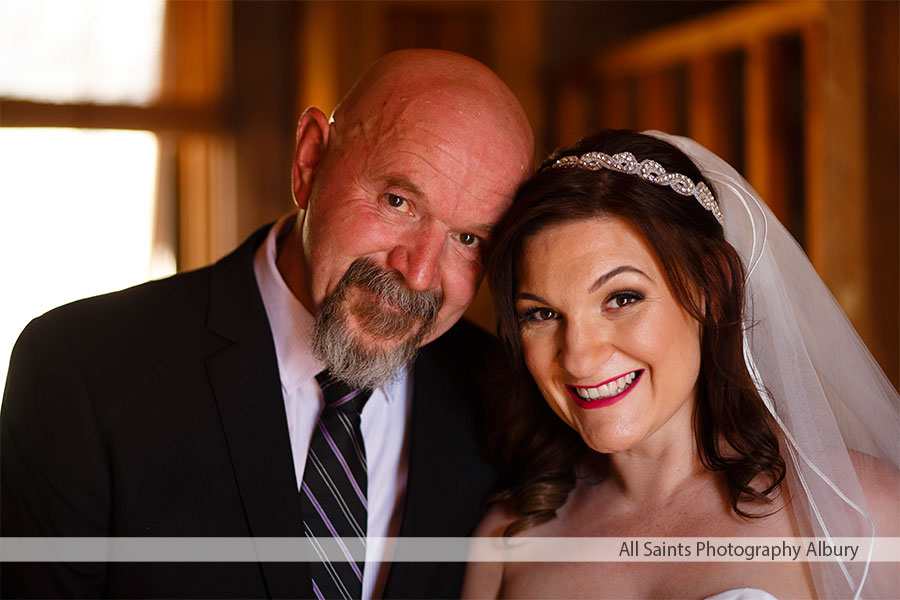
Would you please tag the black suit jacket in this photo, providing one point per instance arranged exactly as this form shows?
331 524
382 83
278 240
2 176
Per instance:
157 411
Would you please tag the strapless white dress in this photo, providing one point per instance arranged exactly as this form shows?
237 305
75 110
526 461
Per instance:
743 594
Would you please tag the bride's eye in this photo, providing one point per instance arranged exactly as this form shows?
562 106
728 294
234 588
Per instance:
538 315
620 300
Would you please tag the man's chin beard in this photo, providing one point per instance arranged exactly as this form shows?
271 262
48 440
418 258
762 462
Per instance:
363 364
379 342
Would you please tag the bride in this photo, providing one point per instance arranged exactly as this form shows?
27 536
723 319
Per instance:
675 368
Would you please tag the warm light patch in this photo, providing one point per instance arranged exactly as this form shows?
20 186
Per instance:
76 219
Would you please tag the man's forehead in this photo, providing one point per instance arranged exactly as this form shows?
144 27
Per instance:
437 152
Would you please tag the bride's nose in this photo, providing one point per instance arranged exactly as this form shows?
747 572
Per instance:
584 349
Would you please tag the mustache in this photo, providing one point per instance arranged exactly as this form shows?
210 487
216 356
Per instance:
411 305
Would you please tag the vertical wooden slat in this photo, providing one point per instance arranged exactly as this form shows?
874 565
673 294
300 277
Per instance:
264 37
193 206
196 44
814 127
707 103
766 152
614 111
572 114
318 59
517 56
883 142
846 190
657 102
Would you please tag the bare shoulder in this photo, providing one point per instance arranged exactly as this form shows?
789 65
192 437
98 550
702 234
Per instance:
485 579
498 517
881 484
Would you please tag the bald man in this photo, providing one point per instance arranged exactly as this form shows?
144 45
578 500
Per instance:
193 406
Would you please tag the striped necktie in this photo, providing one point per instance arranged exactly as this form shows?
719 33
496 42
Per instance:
334 490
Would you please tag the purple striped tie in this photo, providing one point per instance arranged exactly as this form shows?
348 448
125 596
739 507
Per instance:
334 490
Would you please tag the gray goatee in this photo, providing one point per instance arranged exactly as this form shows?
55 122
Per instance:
401 330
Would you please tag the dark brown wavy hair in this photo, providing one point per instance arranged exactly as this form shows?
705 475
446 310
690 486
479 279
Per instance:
538 452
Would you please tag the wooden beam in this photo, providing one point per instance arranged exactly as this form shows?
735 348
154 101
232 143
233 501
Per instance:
198 119
726 30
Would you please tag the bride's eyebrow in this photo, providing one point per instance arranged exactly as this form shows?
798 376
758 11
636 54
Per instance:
529 296
617 271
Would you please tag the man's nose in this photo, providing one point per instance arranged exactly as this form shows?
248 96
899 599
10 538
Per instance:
584 348
418 258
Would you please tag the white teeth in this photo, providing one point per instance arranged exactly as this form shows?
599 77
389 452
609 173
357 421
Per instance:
607 389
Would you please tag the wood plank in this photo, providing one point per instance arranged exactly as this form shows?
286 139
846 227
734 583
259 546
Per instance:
614 106
766 151
707 106
657 102
193 204
318 78
572 114
883 143
846 189
814 128
726 30
197 51
159 118
517 53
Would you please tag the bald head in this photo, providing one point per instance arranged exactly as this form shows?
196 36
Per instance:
407 83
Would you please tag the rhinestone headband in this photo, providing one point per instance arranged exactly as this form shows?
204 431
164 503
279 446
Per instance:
648 170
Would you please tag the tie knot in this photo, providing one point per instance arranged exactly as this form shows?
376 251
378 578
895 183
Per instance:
340 396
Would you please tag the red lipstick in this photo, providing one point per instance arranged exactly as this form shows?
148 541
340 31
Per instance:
601 402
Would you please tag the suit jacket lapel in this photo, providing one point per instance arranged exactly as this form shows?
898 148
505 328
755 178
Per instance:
245 380
443 458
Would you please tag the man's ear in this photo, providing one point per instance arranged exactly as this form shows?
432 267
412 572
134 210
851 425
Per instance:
312 139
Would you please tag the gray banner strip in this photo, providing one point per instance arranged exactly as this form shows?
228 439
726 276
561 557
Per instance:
226 549
518 549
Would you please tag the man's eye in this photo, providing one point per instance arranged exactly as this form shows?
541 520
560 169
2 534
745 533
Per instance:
395 201
468 239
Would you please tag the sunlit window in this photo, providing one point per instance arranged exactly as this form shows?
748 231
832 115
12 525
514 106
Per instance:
104 51
76 206
77 218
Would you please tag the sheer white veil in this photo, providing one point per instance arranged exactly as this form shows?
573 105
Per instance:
818 379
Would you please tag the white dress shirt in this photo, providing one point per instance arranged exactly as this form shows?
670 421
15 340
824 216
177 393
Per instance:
385 417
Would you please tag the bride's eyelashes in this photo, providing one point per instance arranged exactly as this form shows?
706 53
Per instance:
622 300
537 314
